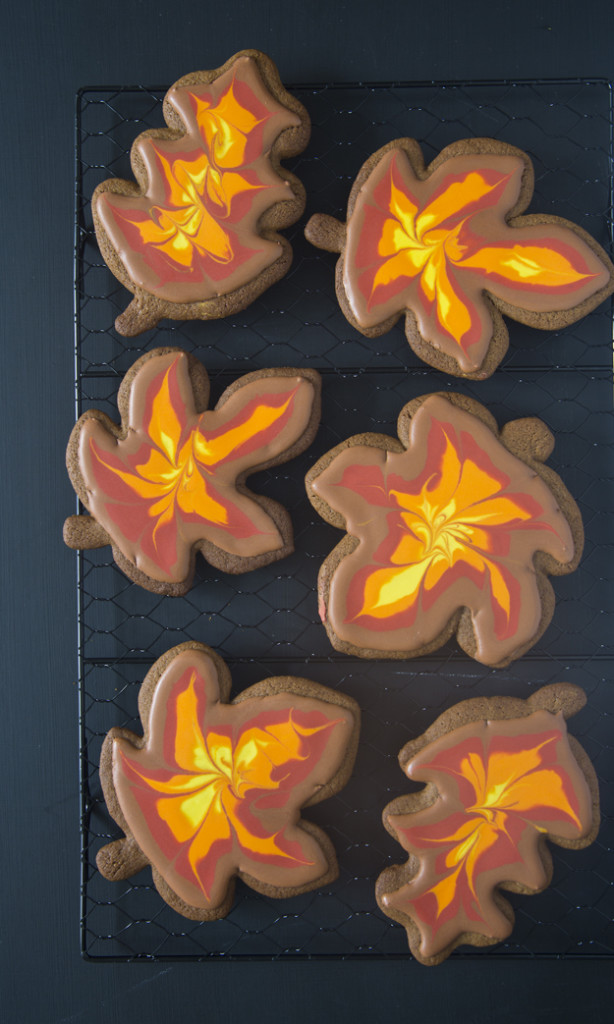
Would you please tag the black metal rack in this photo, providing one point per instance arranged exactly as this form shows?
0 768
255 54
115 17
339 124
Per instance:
266 622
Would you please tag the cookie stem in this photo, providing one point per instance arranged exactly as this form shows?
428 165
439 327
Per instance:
120 860
555 697
325 232
84 533
138 317
528 438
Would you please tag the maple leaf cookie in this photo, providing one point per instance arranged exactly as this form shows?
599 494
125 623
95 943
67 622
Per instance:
197 237
502 776
446 246
169 481
451 530
214 790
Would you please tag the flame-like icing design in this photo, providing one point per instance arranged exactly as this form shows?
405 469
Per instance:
446 246
216 789
501 788
194 233
452 522
169 481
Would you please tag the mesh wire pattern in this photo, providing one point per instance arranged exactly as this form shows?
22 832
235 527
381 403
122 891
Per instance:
265 622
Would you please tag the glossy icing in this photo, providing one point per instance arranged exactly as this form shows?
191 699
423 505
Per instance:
502 788
434 246
194 234
217 789
452 522
172 480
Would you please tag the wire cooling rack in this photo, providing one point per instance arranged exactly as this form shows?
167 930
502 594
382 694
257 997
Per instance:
265 622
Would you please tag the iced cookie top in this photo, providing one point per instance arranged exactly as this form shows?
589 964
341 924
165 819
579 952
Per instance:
216 789
451 519
194 233
446 245
502 787
170 480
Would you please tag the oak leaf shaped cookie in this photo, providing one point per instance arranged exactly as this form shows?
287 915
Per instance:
446 246
214 790
197 238
452 529
170 481
502 776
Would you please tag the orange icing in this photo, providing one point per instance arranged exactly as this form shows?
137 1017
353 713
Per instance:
171 481
452 522
217 788
501 786
434 245
195 234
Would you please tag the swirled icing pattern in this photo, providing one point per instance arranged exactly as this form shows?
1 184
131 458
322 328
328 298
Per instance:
454 521
194 234
502 787
434 246
171 481
217 789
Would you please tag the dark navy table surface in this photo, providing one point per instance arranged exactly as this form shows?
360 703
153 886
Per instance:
47 56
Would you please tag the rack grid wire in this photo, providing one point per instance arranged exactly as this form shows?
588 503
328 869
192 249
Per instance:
265 622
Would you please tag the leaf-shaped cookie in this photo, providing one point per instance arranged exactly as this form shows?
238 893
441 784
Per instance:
502 776
197 237
446 246
452 529
214 790
170 481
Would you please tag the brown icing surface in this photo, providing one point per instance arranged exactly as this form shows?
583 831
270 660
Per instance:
502 787
434 245
178 173
170 482
217 789
452 522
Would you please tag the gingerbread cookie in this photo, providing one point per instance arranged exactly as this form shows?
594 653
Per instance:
197 237
502 776
452 529
446 245
214 790
169 481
